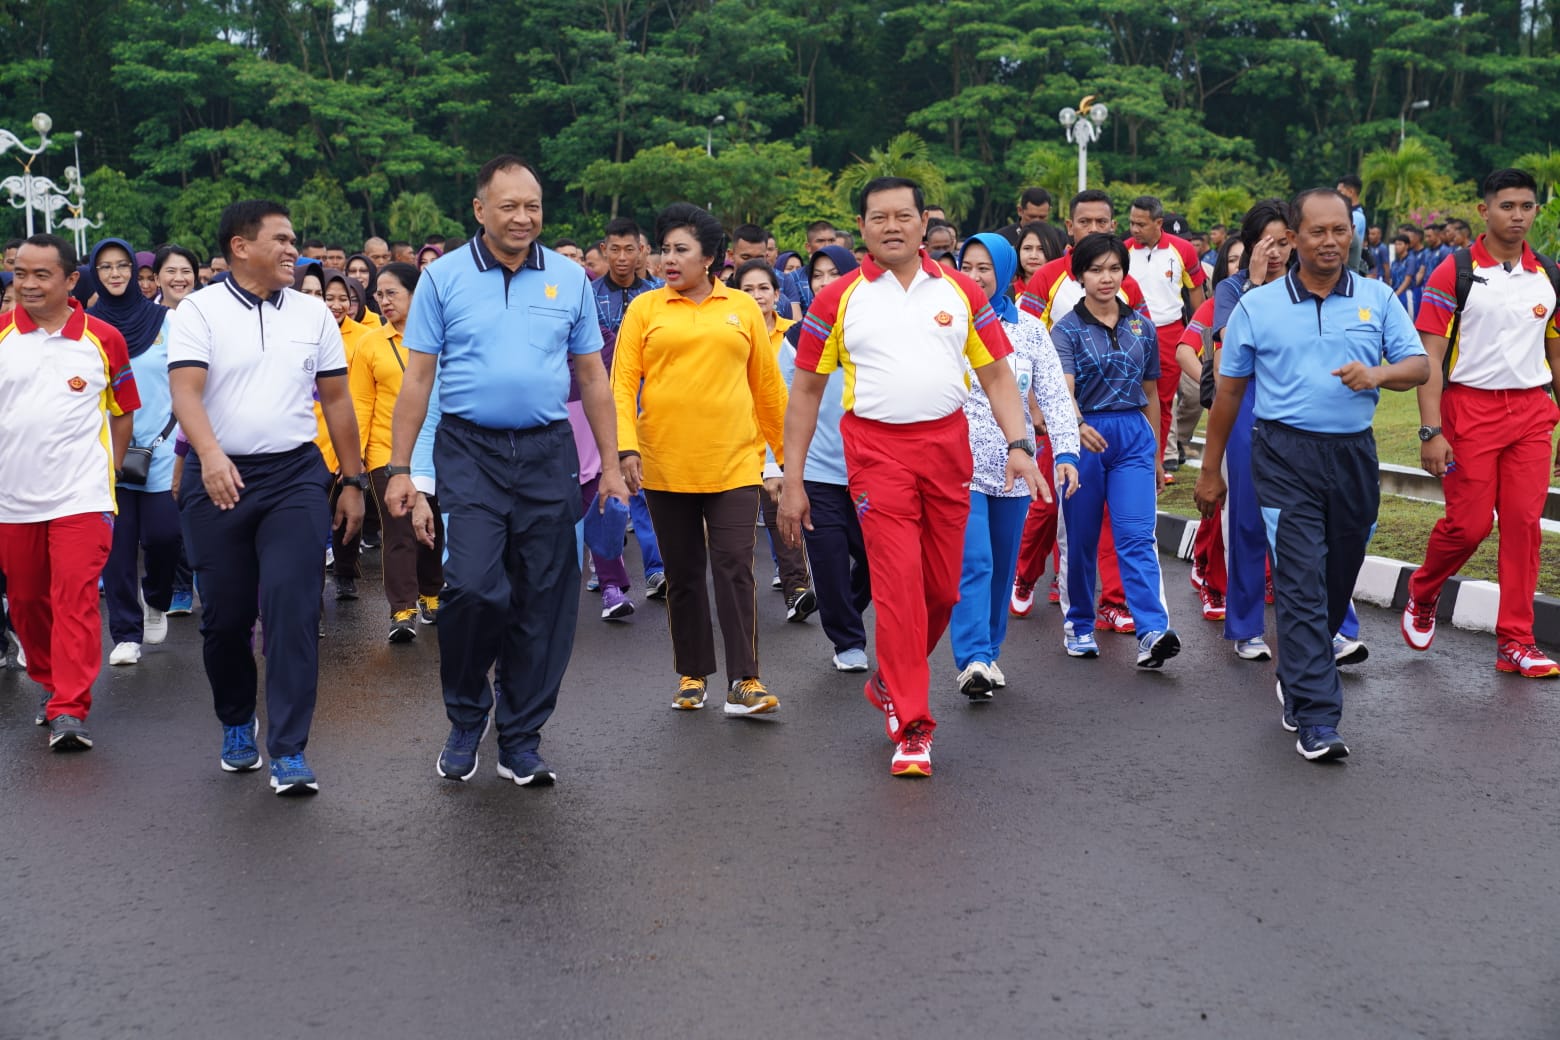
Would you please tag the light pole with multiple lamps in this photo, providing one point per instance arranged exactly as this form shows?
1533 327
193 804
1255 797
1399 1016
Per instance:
1082 126
1417 106
29 191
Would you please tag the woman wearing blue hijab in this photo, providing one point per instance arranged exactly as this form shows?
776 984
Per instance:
148 520
996 522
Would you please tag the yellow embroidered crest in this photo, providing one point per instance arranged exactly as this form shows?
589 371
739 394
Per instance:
551 291
1364 313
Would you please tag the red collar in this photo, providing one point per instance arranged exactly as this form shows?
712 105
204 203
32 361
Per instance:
871 270
1482 257
75 325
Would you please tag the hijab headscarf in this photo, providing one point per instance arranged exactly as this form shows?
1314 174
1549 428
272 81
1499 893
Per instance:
354 292
1004 263
437 252
844 260
373 281
782 259
303 268
138 319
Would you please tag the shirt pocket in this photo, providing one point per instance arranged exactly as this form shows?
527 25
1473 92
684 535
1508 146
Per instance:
1365 343
548 328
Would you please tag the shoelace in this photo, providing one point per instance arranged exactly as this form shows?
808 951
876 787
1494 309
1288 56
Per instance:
1424 615
751 688
467 739
917 740
404 615
691 684
235 739
1517 651
290 764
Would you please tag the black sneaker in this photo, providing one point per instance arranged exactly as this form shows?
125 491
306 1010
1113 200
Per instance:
799 605
1320 744
458 760
525 768
1288 720
403 626
66 733
42 718
346 588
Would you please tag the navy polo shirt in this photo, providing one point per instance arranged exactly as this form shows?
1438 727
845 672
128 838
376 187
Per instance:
1108 364
503 339
1292 341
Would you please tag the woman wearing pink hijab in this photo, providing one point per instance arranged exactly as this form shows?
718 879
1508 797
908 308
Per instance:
428 254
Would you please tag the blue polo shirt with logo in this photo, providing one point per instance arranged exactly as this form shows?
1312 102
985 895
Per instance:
503 338
1292 341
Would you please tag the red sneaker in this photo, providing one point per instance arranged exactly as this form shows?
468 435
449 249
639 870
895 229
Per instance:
913 754
1525 659
1113 618
1022 600
1212 603
1054 593
1419 624
876 692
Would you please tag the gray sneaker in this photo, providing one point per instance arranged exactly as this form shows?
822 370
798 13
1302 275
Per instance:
42 718
66 733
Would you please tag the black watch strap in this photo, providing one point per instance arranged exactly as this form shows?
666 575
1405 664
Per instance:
360 482
398 471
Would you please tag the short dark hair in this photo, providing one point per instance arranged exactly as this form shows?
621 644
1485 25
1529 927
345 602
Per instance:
750 233
1034 197
433 240
170 250
329 248
498 164
1297 204
1507 177
399 244
840 233
1411 228
1093 247
704 228
11 243
1352 182
1400 237
242 219
312 243
66 251
1090 195
881 184
819 225
1217 227
565 242
748 267
1150 205
620 227
404 273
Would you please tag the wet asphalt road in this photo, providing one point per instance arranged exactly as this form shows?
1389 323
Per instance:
1103 852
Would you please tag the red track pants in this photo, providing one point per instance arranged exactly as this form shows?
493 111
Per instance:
910 483
1169 377
1500 447
51 572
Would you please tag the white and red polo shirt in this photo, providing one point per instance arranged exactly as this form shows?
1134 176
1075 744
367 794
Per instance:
1508 315
1163 270
59 388
903 350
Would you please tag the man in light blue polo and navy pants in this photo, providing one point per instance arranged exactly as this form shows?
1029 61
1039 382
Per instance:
499 320
1314 342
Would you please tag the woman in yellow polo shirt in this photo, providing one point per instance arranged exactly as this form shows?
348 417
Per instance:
413 573
696 383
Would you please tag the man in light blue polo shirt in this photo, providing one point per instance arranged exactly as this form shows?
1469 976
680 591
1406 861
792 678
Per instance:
1314 343
499 319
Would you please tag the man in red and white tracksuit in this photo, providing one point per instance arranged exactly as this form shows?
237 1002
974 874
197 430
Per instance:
1488 415
68 390
903 330
1164 265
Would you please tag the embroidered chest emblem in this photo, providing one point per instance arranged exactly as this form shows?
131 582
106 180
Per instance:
551 291
1364 314
76 383
1540 311
1136 325
1169 275
734 321
943 318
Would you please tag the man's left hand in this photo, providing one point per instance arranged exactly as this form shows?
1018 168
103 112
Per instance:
612 486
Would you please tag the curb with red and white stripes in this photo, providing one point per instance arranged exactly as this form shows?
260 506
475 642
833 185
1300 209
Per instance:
1383 582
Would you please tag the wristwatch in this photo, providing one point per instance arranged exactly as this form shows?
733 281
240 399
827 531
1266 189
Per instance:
1429 433
1025 444
398 471
360 482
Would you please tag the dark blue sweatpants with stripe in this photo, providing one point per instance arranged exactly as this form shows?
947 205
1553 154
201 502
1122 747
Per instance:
1319 494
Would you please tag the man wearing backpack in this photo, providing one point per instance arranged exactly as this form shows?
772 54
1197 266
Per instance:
1488 323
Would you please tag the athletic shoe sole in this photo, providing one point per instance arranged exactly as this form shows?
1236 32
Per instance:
1164 648
475 759
1511 669
1021 607
1091 652
1254 655
839 666
803 608
540 778
617 613
885 704
294 790
1326 754
1284 720
978 686
1411 635
1355 655
70 742
766 706
910 769
402 635
688 704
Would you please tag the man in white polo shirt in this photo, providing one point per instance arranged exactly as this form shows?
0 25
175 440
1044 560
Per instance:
1488 414
68 391
247 358
903 329
1164 265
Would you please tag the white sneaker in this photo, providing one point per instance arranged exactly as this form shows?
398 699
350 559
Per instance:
154 625
975 681
125 653
997 678
1253 650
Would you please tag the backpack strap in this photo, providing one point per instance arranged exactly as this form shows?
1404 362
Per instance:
1462 265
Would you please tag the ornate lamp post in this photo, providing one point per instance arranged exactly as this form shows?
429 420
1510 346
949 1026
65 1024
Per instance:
23 185
1082 126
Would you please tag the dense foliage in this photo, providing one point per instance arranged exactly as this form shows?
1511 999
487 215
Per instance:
373 114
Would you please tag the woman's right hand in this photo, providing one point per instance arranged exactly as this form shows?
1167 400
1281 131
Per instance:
633 473
1261 253
1090 438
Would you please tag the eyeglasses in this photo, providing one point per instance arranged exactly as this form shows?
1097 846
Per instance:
388 294
123 267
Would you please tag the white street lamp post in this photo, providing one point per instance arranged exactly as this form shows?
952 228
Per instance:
1417 106
1082 126
709 136
23 185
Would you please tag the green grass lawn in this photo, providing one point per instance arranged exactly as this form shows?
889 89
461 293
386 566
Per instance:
1403 526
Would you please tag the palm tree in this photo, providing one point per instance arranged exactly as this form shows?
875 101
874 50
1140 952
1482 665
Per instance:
906 155
1406 176
1545 168
1210 205
414 214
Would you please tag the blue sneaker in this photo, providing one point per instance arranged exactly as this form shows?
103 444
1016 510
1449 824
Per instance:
240 753
183 605
1288 721
1081 645
291 775
1320 744
458 760
851 660
525 768
1349 651
1155 648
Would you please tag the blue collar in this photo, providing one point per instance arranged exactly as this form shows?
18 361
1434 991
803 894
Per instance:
1298 293
485 260
249 299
